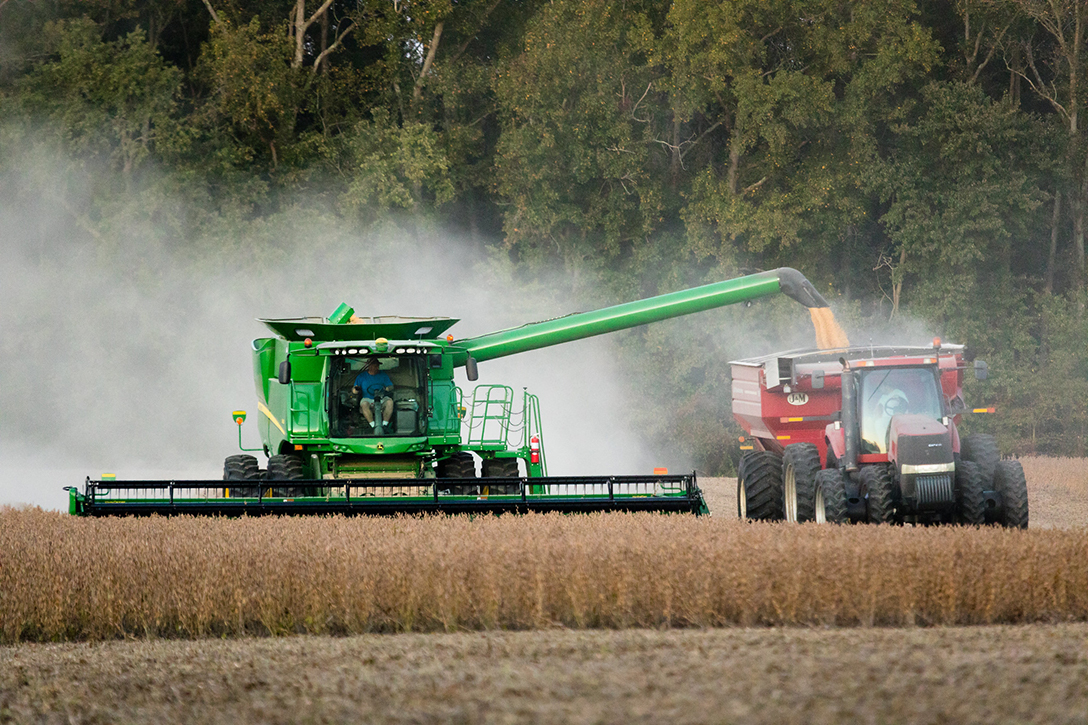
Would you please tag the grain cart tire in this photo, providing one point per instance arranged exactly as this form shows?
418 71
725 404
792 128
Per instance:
459 465
800 464
880 493
242 468
501 468
1009 480
970 497
981 448
759 487
829 497
285 467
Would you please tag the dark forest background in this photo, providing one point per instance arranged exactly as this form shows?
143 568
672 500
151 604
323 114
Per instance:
925 164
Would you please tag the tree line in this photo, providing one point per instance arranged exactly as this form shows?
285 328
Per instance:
922 160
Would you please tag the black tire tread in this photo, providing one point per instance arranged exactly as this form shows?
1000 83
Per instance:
880 489
458 465
981 448
242 468
761 475
500 468
830 480
970 494
1010 481
805 460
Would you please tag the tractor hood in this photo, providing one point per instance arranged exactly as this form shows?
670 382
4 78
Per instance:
919 444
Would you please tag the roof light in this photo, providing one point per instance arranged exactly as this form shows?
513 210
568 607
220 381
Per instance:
304 332
308 342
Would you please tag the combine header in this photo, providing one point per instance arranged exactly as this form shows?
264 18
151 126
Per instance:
361 415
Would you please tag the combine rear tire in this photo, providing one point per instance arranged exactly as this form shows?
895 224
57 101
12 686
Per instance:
800 465
981 448
459 465
285 467
759 487
829 499
501 468
242 468
970 499
880 489
1009 480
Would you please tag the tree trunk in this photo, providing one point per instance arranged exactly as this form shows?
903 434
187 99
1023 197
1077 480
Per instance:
1055 220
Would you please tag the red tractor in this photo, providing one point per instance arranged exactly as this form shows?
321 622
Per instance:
868 434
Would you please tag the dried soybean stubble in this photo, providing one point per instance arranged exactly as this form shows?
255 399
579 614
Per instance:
828 333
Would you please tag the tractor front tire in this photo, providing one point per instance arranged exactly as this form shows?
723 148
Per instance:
759 487
970 496
879 486
829 498
242 468
981 448
501 468
285 467
1010 481
800 464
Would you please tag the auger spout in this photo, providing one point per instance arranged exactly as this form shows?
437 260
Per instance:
581 325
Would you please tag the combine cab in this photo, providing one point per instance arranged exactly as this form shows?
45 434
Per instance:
868 434
362 415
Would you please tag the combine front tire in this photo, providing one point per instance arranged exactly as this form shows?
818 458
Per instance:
759 487
829 498
970 496
501 468
285 467
880 488
800 465
241 468
1009 480
459 465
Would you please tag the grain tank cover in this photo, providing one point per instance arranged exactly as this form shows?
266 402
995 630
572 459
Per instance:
391 327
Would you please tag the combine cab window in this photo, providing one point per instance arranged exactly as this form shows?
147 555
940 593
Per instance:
894 391
356 396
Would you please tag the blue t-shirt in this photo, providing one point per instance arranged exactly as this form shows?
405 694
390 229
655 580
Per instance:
367 382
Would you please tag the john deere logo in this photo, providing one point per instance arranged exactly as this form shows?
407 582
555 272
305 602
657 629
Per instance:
797 399
381 446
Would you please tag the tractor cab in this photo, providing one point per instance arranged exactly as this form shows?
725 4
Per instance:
888 392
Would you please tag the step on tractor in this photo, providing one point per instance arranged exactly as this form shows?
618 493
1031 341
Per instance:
362 415
869 435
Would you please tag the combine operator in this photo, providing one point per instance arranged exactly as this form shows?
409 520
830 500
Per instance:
367 385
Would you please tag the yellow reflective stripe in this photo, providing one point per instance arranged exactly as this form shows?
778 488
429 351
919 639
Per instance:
268 413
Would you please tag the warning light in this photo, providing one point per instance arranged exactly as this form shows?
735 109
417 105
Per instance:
449 338
308 342
239 416
936 343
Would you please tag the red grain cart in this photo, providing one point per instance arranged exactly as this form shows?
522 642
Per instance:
868 434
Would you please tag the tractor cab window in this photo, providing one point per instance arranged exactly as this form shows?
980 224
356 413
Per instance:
887 392
376 396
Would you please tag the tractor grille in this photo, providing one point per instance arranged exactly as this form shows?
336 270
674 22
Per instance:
933 489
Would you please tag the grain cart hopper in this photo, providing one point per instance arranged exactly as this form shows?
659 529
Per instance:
405 438
868 434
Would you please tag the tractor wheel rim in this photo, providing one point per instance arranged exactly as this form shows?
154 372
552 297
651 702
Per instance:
821 513
742 499
790 490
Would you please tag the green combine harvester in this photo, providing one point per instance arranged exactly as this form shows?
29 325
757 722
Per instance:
362 415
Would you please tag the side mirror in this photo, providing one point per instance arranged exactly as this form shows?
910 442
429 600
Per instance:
981 371
285 372
470 368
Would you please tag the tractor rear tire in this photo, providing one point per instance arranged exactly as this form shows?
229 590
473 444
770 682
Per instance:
800 465
759 487
829 498
285 467
501 468
981 448
970 497
459 465
1010 481
242 468
879 487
